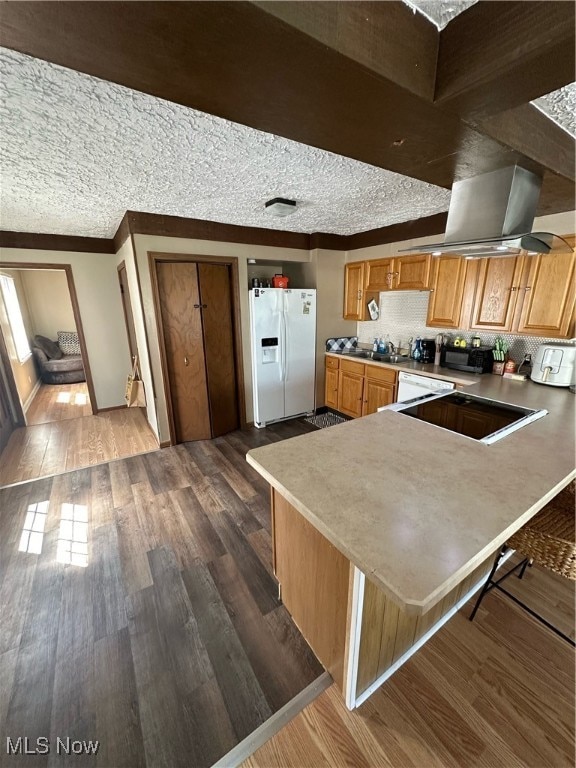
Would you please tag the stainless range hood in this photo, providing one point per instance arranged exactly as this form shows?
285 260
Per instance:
492 215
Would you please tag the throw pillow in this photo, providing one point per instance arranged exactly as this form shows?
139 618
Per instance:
49 347
68 342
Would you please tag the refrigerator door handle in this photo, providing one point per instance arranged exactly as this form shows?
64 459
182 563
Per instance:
283 346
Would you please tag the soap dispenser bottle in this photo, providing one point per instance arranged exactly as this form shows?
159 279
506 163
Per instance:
381 346
375 345
418 349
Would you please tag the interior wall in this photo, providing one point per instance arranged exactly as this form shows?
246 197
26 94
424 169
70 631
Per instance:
49 302
96 281
158 244
327 268
25 373
126 255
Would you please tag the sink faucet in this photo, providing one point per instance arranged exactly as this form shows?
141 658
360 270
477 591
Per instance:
391 348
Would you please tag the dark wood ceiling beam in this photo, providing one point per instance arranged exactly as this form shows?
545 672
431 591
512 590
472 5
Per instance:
271 77
386 37
531 132
498 55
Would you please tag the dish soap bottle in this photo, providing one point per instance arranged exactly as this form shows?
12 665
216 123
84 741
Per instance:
381 346
375 345
418 349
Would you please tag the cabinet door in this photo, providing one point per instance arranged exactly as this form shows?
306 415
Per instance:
331 388
354 290
411 273
376 394
548 295
350 389
496 293
474 423
379 274
446 295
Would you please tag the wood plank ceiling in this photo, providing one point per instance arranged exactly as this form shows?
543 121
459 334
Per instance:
371 81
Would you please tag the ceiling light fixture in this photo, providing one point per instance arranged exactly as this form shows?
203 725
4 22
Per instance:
280 206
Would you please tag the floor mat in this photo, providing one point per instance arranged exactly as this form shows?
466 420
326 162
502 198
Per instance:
325 420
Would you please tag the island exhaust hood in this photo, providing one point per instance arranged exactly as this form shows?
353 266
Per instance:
492 215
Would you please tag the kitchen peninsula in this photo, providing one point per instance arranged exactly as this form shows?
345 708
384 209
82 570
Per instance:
383 526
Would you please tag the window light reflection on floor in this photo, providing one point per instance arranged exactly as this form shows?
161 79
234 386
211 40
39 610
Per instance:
72 548
63 397
33 530
80 399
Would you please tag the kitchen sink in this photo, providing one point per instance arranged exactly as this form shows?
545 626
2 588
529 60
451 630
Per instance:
367 354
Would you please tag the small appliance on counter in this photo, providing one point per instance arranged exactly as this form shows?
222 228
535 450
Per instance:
472 359
554 364
428 349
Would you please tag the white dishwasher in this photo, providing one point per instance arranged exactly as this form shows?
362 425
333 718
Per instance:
411 385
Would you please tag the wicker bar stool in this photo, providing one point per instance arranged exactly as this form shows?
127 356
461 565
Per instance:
548 540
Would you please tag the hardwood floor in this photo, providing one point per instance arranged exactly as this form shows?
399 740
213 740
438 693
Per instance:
495 692
149 618
47 449
57 402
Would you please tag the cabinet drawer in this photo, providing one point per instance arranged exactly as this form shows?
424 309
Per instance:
381 374
350 366
332 362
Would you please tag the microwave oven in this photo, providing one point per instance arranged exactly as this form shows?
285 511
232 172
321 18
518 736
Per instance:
472 359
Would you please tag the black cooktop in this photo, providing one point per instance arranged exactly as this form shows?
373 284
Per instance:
471 415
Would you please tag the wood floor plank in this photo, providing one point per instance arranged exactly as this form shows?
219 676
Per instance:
262 586
206 543
166 725
234 505
117 712
108 601
132 550
59 402
48 448
278 681
241 691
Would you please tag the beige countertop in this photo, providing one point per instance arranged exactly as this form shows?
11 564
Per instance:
416 507
411 366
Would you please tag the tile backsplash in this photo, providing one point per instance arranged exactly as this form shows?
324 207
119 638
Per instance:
403 314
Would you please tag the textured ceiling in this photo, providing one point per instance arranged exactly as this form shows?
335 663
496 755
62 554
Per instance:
440 12
560 105
77 152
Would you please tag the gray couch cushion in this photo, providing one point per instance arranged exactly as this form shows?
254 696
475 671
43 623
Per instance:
66 363
50 348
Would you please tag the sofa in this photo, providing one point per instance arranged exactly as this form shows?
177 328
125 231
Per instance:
56 367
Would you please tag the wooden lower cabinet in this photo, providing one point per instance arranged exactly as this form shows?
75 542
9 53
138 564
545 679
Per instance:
356 630
350 393
357 389
331 388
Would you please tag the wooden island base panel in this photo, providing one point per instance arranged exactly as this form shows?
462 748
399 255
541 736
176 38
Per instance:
358 633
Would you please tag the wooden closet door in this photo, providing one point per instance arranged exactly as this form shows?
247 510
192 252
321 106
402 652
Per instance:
216 300
182 325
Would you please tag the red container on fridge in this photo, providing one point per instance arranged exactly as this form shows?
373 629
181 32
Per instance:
279 281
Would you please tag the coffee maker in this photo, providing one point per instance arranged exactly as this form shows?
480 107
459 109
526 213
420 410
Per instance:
428 350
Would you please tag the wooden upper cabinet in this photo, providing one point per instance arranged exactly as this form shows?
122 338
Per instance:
403 273
379 274
447 289
547 295
412 273
495 293
354 291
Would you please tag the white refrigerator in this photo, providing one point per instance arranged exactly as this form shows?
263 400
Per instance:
283 339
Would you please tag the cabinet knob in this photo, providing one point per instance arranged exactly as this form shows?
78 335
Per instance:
514 288
186 361
528 288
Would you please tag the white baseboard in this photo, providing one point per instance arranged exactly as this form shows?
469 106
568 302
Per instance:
28 402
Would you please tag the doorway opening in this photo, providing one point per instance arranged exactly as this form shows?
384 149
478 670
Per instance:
42 332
